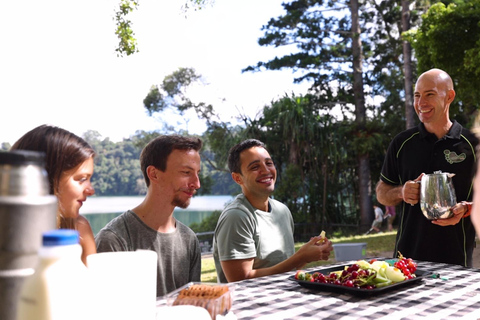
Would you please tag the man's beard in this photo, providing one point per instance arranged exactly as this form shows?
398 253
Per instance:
177 202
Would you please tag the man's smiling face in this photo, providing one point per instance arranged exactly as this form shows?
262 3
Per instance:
258 172
432 99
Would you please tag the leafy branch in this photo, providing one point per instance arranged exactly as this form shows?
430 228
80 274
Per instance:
127 44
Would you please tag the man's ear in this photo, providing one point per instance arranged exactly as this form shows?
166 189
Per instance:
152 173
237 177
451 95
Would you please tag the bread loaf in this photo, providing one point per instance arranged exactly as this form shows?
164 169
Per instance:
216 299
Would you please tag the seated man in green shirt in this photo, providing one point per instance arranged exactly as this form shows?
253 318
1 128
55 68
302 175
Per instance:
254 234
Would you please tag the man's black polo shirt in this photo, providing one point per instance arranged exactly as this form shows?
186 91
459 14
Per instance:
416 151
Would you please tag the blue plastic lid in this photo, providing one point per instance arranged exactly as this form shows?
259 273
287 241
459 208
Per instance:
60 237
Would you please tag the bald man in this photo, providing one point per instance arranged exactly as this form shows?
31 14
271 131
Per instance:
436 144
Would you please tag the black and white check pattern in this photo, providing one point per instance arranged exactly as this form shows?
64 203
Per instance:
456 296
276 297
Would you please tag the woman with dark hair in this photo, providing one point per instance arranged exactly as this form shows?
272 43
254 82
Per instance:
69 164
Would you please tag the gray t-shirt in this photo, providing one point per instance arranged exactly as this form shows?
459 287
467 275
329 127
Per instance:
244 232
179 256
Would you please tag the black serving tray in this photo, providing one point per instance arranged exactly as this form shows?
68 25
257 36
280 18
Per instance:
420 274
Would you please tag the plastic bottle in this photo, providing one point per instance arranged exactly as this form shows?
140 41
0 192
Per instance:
58 290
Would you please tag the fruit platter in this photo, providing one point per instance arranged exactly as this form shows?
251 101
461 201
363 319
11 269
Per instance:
363 278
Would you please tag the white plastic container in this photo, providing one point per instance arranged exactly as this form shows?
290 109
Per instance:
350 251
124 284
58 289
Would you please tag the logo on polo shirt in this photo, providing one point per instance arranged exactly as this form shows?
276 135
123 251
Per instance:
453 157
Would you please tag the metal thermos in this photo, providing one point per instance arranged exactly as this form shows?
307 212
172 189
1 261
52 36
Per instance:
26 211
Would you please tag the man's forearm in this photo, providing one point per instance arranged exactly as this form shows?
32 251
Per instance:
389 195
289 264
236 270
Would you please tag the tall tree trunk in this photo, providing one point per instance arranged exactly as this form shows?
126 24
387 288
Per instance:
360 118
407 67
324 207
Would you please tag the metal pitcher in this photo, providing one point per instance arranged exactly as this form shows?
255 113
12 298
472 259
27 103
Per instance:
437 195
26 211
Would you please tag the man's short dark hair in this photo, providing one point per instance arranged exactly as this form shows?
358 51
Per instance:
234 164
156 152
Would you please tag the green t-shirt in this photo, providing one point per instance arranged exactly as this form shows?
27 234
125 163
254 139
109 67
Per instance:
244 232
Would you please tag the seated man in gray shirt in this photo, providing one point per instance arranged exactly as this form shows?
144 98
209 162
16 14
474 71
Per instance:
170 165
254 234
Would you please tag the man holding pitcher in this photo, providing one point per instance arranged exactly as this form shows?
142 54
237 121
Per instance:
436 144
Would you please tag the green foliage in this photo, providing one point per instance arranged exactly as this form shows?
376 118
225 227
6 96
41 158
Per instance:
219 138
117 167
293 185
172 93
449 39
368 139
127 44
154 101
327 54
207 224
322 42
173 84
197 4
314 155
98 221
215 180
321 32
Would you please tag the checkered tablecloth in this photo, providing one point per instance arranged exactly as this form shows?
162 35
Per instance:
456 296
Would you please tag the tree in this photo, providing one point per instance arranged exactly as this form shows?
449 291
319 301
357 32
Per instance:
316 168
127 43
330 41
117 167
172 93
449 39
330 55
407 67
360 115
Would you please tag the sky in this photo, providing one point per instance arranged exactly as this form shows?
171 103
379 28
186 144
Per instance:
58 64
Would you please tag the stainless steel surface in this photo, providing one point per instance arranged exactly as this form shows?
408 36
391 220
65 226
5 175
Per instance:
26 211
23 173
437 195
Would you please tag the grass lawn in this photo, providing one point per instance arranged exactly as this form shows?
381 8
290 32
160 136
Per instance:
377 245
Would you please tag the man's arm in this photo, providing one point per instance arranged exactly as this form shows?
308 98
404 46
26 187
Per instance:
391 195
388 195
241 269
410 193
